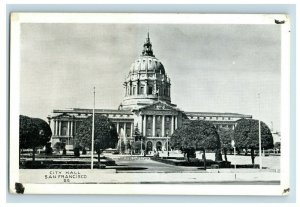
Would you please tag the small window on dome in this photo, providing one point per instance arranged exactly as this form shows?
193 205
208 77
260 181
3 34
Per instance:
142 90
150 90
133 91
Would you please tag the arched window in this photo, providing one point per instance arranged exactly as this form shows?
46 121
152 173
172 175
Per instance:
158 146
149 146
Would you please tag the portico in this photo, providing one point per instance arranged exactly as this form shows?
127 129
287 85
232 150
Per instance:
158 123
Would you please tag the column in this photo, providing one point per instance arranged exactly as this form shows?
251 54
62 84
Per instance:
54 127
71 129
175 122
144 125
163 126
172 125
125 129
59 127
153 126
131 130
68 131
118 127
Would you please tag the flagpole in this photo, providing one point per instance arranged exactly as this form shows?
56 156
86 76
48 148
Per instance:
93 130
259 134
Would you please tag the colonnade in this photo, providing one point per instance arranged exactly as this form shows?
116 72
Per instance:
135 88
58 128
125 127
174 123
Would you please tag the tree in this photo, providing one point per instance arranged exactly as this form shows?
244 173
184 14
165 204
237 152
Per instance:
48 149
226 136
246 136
277 146
59 146
196 135
33 133
137 146
105 134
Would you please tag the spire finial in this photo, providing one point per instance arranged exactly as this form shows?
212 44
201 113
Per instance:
148 33
148 46
148 36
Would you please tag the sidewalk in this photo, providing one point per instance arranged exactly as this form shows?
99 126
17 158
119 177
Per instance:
110 176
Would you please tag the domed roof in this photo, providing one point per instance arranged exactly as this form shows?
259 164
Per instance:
147 63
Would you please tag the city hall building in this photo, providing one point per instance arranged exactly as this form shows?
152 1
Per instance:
146 106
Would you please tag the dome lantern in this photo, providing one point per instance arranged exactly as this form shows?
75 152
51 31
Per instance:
147 51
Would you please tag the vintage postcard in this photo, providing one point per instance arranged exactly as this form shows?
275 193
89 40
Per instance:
123 103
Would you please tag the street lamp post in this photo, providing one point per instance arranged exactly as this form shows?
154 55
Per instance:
141 146
167 145
233 145
93 130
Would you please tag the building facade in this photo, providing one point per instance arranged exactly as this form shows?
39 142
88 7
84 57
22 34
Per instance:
146 106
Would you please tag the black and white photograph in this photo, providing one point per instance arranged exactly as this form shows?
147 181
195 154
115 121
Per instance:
149 103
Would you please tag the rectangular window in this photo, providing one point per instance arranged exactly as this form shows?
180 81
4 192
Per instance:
133 91
149 132
64 128
158 125
128 129
149 125
167 125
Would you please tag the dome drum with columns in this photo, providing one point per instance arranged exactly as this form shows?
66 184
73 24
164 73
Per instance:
146 107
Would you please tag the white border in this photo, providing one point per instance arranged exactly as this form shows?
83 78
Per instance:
166 189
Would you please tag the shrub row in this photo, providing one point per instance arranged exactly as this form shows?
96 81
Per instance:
193 162
49 164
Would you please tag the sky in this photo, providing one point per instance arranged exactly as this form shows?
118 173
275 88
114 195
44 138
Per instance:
213 68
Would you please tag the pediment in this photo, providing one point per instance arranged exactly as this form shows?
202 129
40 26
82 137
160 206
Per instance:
159 106
63 115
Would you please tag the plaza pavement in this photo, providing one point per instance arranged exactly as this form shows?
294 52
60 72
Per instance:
131 170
